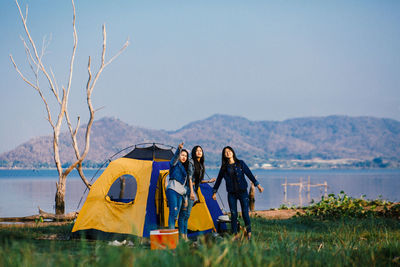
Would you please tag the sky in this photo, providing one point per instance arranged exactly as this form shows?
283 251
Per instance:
188 60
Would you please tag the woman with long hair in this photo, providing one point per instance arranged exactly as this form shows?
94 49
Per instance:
199 168
233 171
197 162
180 174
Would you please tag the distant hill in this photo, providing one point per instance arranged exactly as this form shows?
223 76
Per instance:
304 142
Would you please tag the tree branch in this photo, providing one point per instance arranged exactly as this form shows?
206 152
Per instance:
21 75
71 66
32 43
126 44
36 88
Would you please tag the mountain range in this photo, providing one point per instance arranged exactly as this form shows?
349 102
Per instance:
303 142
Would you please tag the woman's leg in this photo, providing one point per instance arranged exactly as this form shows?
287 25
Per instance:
174 204
184 215
232 201
244 204
187 214
181 218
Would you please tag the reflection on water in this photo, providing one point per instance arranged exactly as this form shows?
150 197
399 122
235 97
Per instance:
355 183
21 192
303 187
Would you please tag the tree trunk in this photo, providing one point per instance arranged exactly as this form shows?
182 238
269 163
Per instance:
122 191
45 216
60 196
252 199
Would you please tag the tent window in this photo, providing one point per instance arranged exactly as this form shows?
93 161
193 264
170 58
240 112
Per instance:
123 189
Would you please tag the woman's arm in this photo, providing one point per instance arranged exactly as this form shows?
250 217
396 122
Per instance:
249 174
212 180
192 197
175 158
217 184
190 177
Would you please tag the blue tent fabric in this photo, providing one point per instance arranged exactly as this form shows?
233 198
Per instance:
150 222
212 205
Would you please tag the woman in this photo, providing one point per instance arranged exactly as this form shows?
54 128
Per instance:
199 170
179 174
197 163
233 171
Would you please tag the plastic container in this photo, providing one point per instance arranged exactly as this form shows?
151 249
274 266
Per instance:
164 238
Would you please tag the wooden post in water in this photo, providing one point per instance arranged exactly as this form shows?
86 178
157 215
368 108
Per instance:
301 185
300 189
285 190
308 190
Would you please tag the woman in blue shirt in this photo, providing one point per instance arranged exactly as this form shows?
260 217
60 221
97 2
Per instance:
179 182
232 171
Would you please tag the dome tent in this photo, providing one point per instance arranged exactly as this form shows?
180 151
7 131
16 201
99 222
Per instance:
129 198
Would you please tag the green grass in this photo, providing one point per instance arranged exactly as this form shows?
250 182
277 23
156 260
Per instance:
301 241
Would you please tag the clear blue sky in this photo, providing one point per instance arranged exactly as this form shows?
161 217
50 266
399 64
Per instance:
263 60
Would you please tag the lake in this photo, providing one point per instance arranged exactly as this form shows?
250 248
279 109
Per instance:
23 191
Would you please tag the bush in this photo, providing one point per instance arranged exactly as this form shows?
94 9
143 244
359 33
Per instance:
343 205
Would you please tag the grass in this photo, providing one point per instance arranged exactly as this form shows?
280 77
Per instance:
300 241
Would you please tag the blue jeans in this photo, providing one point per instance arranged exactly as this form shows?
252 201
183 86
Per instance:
184 215
243 198
174 203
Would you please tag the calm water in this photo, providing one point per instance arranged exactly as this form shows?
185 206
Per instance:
22 191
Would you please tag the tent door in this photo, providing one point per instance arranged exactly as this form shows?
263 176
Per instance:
161 199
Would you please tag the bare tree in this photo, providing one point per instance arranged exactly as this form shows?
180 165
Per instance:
40 70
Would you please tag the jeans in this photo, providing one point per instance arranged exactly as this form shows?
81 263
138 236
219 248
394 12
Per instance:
184 215
174 203
243 198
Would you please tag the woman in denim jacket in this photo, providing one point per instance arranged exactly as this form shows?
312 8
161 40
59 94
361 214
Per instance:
179 181
187 204
196 175
233 171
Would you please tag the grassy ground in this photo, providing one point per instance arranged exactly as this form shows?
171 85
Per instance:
300 241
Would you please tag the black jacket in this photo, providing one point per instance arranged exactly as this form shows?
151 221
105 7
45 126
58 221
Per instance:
234 177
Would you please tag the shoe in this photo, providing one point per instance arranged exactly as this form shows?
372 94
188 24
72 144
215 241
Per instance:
249 236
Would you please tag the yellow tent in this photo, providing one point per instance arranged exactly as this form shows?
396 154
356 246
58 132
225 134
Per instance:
129 198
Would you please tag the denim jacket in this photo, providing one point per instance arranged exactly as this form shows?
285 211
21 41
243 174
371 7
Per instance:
234 177
177 170
190 176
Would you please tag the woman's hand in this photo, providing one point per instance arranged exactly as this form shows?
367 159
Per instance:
214 196
192 196
212 180
260 188
180 146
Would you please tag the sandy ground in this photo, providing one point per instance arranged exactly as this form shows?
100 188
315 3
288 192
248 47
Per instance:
276 214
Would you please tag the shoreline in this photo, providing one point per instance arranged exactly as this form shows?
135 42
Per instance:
266 214
217 168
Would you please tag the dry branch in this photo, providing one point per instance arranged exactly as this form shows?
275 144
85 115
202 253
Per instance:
37 67
46 216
